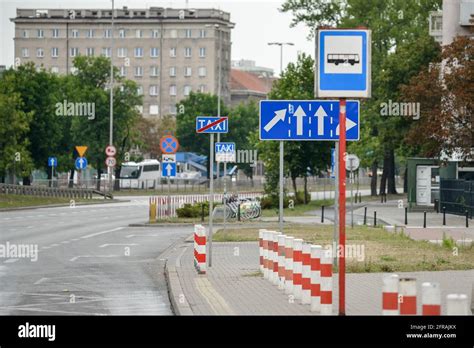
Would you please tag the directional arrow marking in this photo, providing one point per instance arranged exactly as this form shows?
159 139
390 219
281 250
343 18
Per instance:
168 168
320 114
279 116
299 114
349 124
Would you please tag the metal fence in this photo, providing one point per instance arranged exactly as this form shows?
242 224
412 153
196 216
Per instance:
43 191
457 196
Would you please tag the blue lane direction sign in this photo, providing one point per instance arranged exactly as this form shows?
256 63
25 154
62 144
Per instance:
307 120
168 165
343 63
52 162
225 152
81 163
211 124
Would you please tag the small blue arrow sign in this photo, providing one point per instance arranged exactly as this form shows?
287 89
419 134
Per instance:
306 120
168 169
81 163
52 162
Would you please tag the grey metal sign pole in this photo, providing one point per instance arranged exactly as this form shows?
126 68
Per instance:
225 193
351 160
280 218
335 239
211 199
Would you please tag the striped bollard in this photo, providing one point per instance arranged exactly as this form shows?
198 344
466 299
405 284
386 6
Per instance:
260 248
275 278
306 274
200 251
289 265
390 294
270 256
316 251
265 254
407 288
281 262
430 299
457 304
297 268
326 282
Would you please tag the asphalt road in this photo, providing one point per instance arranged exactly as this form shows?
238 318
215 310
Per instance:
89 261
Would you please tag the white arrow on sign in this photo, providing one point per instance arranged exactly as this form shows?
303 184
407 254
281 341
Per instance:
349 125
168 168
52 162
81 162
320 114
279 116
299 114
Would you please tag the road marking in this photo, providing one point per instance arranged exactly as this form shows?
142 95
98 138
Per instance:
141 235
75 239
53 245
118 244
103 232
40 281
65 242
92 256
213 298
11 260
28 227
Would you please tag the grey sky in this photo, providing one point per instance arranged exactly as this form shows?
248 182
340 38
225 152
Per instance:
257 22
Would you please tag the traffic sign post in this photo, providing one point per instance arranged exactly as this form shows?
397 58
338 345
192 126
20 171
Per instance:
211 124
342 206
169 144
225 152
168 165
52 162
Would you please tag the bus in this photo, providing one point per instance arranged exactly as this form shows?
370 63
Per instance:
346 58
145 174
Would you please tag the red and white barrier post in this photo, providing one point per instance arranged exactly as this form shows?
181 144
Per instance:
457 304
270 256
297 268
390 294
260 248
281 262
407 297
289 265
275 278
200 248
316 251
326 282
430 299
265 254
306 274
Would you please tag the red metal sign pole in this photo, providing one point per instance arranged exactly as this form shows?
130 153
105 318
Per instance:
342 206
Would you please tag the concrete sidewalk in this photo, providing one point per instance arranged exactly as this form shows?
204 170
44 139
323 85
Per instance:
234 285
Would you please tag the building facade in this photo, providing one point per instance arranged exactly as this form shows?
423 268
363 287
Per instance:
168 52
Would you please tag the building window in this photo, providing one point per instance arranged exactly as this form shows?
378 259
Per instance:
188 71
188 33
202 88
55 70
54 52
55 33
187 52
106 52
202 52
121 52
140 90
90 33
123 71
155 33
39 53
173 90
153 90
75 33
173 52
138 71
90 51
154 71
202 71
173 33
154 109
122 33
108 33
154 52
138 33
74 52
40 33
173 109
25 53
202 33
25 34
173 71
138 52
187 90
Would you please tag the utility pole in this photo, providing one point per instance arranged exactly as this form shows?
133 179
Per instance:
111 125
280 213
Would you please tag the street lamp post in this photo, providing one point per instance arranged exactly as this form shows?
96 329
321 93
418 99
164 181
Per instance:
280 214
111 125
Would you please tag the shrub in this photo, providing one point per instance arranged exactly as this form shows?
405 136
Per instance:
272 202
192 210
300 197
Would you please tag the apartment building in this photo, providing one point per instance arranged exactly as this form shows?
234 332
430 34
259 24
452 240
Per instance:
168 52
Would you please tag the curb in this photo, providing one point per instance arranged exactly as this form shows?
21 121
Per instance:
59 205
172 280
